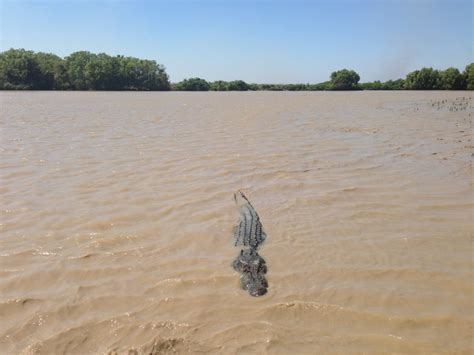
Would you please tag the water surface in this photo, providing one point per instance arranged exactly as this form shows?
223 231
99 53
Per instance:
117 213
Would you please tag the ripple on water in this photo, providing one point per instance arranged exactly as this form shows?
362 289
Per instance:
117 217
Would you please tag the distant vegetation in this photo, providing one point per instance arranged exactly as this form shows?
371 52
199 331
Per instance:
424 79
193 84
26 70
345 80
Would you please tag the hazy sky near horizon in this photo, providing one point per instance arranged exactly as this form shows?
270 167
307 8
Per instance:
256 41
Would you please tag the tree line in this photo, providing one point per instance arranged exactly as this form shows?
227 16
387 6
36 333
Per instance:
22 69
26 70
424 79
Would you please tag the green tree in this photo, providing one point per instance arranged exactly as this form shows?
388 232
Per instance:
88 71
469 76
375 85
326 85
452 79
394 84
61 79
151 76
193 84
18 70
345 80
218 85
388 85
424 79
237 85
76 65
254 87
296 87
101 73
48 66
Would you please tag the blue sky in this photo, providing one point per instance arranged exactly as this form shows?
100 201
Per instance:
257 41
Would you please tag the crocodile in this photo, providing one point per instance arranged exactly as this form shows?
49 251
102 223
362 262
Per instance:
252 268
249 233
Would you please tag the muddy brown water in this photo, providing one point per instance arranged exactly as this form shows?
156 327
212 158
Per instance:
117 213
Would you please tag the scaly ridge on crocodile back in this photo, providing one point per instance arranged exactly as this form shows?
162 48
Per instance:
249 230
249 233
